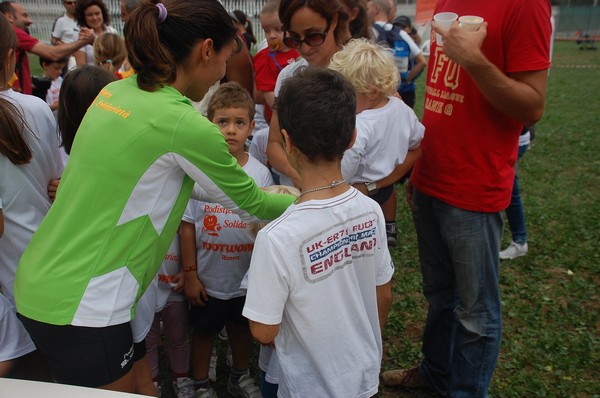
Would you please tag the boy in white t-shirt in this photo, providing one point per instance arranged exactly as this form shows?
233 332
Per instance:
216 246
319 284
53 71
388 131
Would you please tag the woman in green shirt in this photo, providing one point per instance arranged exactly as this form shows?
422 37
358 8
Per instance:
134 161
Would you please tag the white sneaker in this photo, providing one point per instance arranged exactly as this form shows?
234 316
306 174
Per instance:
514 250
206 393
212 368
244 388
184 387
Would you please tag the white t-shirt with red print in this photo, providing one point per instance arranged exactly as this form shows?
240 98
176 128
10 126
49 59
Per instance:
224 243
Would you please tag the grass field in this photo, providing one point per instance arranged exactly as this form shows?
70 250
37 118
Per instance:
551 343
550 297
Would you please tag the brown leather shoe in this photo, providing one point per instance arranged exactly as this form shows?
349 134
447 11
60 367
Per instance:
405 378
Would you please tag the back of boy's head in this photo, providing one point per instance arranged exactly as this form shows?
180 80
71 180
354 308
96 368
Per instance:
231 95
109 51
280 189
368 66
46 61
317 108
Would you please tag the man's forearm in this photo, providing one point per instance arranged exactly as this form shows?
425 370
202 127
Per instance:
521 95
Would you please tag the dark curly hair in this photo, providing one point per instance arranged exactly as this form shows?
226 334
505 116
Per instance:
328 9
83 5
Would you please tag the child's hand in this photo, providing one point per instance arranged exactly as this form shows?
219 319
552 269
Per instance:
179 282
195 292
52 187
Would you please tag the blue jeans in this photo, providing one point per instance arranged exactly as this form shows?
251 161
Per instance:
514 212
458 251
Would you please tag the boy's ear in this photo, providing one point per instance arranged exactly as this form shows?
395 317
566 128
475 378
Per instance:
252 125
352 140
286 141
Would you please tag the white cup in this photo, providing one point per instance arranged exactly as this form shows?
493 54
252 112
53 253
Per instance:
470 23
444 20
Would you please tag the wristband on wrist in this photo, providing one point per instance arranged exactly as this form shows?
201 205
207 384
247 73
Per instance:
190 268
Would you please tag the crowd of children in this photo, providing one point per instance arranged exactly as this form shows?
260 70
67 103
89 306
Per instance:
181 263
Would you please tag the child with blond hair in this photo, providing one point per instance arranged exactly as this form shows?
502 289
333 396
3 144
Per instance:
110 53
388 131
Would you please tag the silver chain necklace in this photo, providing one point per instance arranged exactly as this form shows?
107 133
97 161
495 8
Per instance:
332 185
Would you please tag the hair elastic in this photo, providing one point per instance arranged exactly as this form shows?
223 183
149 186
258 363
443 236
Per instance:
162 12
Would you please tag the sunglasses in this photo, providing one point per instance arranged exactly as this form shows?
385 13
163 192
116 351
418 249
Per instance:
313 39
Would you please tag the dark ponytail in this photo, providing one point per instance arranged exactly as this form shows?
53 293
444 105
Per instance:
244 20
155 47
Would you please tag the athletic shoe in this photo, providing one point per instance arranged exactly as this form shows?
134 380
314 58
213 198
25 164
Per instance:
212 368
244 388
223 334
229 356
184 387
390 231
205 393
514 250
405 378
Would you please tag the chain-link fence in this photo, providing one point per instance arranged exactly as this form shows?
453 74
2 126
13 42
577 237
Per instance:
570 20
44 12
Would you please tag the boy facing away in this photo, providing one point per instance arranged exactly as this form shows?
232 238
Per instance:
216 246
320 278
388 131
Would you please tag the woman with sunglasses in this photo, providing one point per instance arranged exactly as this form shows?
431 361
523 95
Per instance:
135 158
317 29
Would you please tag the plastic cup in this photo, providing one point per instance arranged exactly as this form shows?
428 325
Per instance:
470 23
444 20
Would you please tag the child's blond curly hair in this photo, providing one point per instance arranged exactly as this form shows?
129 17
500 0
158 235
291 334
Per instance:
367 66
283 189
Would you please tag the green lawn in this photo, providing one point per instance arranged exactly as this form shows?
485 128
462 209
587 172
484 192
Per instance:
550 297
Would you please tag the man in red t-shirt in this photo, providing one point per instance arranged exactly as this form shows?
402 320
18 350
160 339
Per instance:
482 87
19 18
